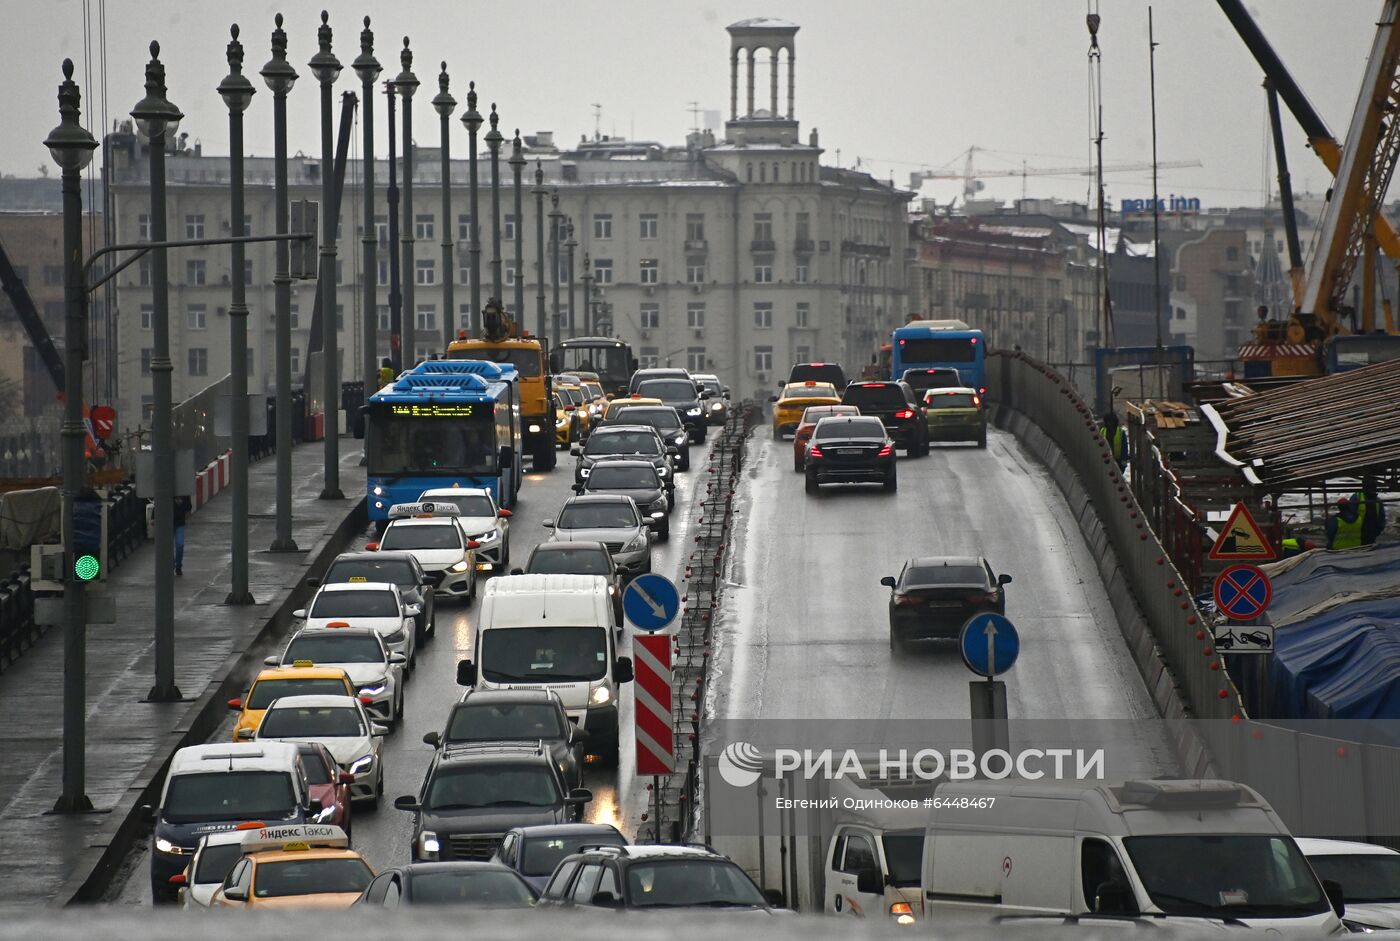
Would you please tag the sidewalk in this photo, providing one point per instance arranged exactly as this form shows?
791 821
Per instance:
49 859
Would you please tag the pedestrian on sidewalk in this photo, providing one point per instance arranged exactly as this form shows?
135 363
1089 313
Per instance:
182 510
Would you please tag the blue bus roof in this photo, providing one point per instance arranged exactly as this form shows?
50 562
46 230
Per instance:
478 367
923 330
460 388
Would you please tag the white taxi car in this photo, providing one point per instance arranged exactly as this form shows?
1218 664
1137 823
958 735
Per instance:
431 534
342 725
481 520
360 651
377 605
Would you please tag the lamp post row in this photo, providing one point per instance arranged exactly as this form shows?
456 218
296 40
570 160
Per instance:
156 120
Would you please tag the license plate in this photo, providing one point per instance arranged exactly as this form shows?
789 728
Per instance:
847 451
944 604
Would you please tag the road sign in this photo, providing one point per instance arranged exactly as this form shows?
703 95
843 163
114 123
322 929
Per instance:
656 750
1242 592
651 602
1243 638
1241 539
103 418
989 644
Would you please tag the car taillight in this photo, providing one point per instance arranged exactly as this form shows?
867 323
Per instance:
981 598
887 450
905 599
814 451
904 413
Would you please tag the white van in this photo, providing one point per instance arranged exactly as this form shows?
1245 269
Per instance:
1162 849
553 632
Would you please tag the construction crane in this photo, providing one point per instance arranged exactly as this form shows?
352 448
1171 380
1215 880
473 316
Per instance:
972 179
1352 227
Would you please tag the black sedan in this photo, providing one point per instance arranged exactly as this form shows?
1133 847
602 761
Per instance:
635 479
475 885
850 449
932 597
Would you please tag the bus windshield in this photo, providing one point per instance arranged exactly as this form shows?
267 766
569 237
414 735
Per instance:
434 446
611 363
525 360
938 349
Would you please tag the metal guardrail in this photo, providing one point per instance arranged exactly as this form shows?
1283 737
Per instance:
690 656
30 447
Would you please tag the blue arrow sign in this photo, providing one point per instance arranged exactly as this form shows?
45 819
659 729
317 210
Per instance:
651 602
989 644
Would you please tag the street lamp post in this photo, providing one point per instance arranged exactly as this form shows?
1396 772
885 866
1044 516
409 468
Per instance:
541 327
155 117
407 83
554 216
517 166
395 284
445 103
493 144
71 147
237 93
367 67
587 279
472 120
326 68
569 247
279 76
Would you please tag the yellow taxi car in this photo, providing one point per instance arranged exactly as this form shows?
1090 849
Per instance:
301 866
795 398
303 678
622 401
573 417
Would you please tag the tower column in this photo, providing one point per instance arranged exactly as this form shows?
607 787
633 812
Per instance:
773 81
792 84
734 84
750 89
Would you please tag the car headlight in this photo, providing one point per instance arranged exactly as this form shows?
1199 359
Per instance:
693 410
376 688
716 406
428 844
460 567
490 536
638 543
165 846
663 471
584 472
601 696
395 638
361 765
379 491
682 439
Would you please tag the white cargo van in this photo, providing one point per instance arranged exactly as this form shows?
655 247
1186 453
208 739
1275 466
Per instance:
553 632
1165 849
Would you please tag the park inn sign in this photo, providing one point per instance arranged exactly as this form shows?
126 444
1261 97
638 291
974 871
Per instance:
1172 203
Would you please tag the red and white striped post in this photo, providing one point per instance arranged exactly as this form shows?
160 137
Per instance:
653 694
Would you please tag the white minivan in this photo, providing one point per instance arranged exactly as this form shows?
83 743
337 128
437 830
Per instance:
1169 850
553 632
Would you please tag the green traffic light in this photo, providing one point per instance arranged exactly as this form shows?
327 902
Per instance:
87 567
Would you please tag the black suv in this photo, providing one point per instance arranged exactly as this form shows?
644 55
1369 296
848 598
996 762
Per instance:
655 877
895 404
473 793
395 567
682 394
612 442
817 372
514 715
667 422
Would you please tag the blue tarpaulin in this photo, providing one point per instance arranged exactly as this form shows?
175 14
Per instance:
1337 639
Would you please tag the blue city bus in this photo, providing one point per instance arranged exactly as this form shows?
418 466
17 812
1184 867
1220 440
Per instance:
924 344
443 423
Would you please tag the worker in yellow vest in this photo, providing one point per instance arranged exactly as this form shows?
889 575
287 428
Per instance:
1117 439
386 372
1344 529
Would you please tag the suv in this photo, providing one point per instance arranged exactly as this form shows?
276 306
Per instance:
682 394
821 372
655 372
625 441
932 377
577 558
396 568
655 877
895 404
664 418
535 852
514 715
473 793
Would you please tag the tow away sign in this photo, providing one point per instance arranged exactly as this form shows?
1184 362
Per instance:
1241 539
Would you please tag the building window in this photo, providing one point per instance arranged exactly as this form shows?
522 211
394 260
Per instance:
53 274
695 272
194 272
148 313
602 225
247 225
248 271
423 226
804 313
775 173
802 354
146 355
748 173
340 317
648 225
427 317
424 271
194 226
695 315
381 231
339 271
802 274
195 317
384 317
763 227
143 269
383 272
762 274
248 362
695 227
602 271
198 361
763 358
763 315
294 315
464 271
464 227
649 357
508 227
649 271
295 360
143 227
695 358
510 275
803 226
464 315
763 173
650 316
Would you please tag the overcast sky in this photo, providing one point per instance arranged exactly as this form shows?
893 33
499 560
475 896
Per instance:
897 84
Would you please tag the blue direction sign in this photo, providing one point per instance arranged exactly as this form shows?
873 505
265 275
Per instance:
989 644
651 602
1242 592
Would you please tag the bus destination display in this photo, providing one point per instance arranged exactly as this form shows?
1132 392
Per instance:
433 410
